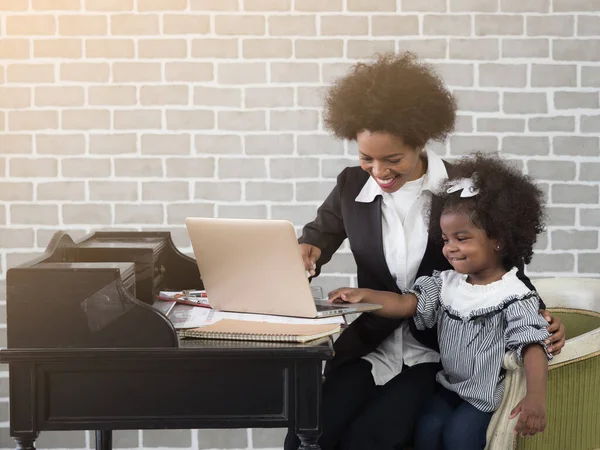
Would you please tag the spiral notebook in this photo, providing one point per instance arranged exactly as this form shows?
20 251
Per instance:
242 330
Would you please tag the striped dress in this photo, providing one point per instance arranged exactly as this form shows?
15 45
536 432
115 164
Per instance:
476 325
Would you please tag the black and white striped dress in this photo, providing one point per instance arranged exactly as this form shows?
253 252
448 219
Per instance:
476 325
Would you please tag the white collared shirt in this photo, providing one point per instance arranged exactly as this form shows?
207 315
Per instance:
404 243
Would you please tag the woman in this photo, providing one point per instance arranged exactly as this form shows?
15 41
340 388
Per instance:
384 369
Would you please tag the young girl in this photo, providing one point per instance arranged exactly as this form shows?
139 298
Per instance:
488 216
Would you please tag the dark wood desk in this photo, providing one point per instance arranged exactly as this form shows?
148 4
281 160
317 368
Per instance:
86 354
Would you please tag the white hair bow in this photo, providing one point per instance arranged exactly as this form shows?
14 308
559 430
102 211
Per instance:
467 185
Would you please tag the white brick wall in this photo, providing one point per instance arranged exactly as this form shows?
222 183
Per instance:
137 113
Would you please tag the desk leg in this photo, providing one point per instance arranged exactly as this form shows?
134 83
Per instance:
26 442
103 439
308 404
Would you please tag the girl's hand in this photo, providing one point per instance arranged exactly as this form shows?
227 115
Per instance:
556 328
310 255
347 295
532 416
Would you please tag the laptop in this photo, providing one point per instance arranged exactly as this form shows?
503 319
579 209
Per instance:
255 266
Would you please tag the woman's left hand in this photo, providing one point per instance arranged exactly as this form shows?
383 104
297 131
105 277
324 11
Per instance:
347 295
556 328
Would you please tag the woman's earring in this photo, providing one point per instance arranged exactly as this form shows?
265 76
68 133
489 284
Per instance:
497 247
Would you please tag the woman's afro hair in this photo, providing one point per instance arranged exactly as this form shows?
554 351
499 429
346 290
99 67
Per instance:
395 93
509 206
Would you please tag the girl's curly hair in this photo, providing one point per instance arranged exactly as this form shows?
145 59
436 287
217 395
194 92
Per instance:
395 93
509 206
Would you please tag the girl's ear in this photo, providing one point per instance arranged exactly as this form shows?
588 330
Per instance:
498 246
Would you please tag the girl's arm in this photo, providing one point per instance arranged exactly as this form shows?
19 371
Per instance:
393 305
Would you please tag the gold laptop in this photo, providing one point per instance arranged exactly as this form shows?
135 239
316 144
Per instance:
255 266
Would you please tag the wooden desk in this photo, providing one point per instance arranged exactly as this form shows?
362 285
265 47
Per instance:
201 384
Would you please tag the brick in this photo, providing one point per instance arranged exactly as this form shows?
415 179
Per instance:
188 71
287 168
82 25
55 5
113 143
358 49
552 170
125 191
57 48
176 213
31 214
60 144
59 96
574 240
588 25
338 25
112 95
316 144
86 72
498 24
241 120
109 5
165 144
317 5
576 100
450 25
517 6
138 167
236 25
86 167
464 124
576 49
589 217
134 24
16 238
525 48
214 5
589 172
242 168
267 48
14 5
525 145
161 5
425 48
242 73
294 120
461 145
162 48
242 211
269 191
218 144
589 123
190 167
15 97
558 123
294 72
30 73
553 75
85 119
109 48
482 49
500 125
421 6
371 5
299 214
222 191
332 71
588 262
190 120
16 143
313 190
590 76
124 72
267 5
165 190
138 119
479 101
576 145
186 23
30 25
143 214
503 75
269 97
311 96
14 48
215 48
12 191
395 25
61 190
525 102
574 193
322 48
32 120
269 144
297 25
552 262
575 5
164 95
551 25
473 5
558 216
455 74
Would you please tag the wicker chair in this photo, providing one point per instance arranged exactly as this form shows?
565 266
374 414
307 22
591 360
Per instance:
573 400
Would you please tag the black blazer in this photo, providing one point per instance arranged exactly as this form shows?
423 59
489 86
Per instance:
341 217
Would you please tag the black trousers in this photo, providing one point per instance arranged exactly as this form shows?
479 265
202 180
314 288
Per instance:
358 415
